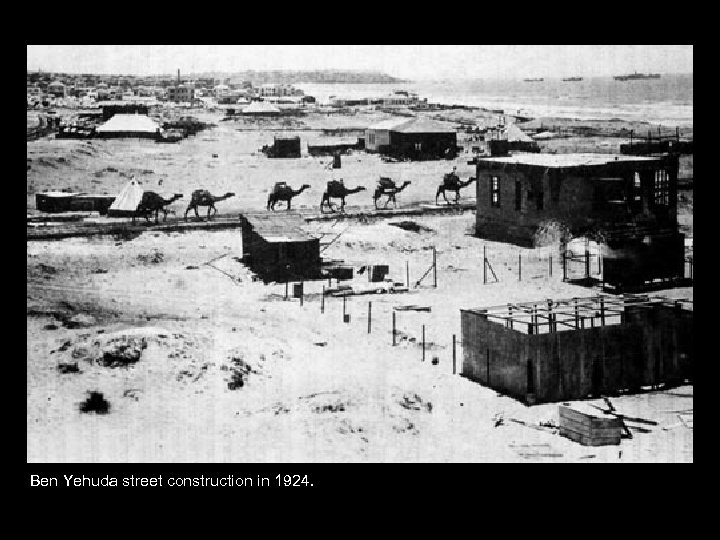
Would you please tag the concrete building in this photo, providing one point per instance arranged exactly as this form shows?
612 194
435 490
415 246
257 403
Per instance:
628 201
183 93
516 194
400 99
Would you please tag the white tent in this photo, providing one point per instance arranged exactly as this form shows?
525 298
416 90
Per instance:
127 201
514 133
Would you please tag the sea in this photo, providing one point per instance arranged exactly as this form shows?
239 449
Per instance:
666 101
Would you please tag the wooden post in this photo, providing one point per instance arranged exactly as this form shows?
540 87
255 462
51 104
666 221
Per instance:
602 311
407 274
322 301
393 327
423 342
587 262
434 267
577 314
484 266
550 265
564 258
369 316
344 306
520 266
454 355
302 292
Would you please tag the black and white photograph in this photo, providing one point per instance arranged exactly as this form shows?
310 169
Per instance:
359 254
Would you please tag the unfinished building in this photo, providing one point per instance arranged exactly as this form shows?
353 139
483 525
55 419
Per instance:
575 348
628 202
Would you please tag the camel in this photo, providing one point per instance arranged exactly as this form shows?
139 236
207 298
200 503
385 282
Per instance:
152 202
283 192
202 197
337 190
387 187
451 182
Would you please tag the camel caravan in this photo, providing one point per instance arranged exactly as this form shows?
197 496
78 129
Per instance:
135 202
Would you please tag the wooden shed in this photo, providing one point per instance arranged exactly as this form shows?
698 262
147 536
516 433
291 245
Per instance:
277 248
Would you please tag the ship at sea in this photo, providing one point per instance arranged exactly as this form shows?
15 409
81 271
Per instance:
537 79
636 75
572 79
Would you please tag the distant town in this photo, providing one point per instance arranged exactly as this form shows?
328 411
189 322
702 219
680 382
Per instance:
47 88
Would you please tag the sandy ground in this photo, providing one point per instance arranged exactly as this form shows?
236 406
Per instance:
314 388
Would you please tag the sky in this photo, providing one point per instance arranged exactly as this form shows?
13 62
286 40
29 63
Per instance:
415 62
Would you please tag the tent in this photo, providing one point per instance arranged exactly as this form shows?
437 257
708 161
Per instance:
515 134
127 201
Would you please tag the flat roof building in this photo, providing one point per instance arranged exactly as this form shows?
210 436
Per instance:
629 201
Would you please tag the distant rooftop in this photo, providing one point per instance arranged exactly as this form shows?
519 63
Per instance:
563 160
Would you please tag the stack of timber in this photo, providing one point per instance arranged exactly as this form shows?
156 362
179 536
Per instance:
588 428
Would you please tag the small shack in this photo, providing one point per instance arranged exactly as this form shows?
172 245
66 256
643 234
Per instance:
277 247
283 147
575 348
129 125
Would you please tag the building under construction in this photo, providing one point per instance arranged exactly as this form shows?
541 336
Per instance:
575 348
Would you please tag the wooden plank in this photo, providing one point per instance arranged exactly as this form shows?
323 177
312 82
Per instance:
588 419
590 431
588 441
